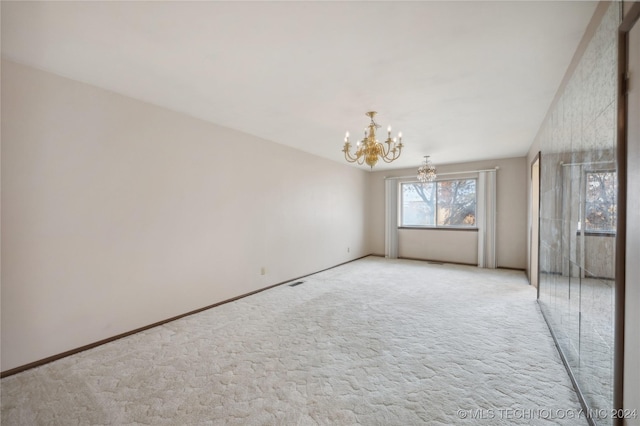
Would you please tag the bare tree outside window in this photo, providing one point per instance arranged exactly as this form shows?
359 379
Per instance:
600 202
419 204
457 203
449 203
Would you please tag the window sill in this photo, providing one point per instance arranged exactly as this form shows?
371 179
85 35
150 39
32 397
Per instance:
439 228
597 233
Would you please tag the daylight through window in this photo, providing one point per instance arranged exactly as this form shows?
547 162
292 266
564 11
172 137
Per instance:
446 203
600 202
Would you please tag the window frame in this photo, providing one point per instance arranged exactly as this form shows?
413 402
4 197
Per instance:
436 226
583 224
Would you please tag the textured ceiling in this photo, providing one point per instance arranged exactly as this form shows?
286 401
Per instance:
463 81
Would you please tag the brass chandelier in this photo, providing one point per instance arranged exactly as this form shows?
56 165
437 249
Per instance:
368 150
427 171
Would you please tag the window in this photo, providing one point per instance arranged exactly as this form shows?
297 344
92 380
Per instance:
447 203
600 202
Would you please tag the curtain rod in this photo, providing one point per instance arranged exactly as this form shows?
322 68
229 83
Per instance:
445 174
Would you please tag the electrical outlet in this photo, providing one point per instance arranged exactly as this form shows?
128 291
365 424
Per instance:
348 249
263 271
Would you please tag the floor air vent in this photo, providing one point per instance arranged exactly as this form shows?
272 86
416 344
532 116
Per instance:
296 283
435 263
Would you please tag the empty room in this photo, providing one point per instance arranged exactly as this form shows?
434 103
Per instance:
320 213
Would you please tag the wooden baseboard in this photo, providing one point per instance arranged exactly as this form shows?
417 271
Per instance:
438 261
56 357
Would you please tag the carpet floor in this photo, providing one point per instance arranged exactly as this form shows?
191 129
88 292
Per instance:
372 342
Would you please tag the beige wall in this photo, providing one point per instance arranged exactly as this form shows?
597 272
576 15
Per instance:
439 245
117 214
511 216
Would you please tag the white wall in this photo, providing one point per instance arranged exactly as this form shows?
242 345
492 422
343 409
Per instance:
118 214
511 216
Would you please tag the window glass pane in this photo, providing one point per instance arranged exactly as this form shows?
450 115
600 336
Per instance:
418 204
457 203
600 202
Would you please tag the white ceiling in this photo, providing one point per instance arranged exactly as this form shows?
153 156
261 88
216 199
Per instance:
463 81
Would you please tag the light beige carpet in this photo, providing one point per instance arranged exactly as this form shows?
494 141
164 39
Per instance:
373 342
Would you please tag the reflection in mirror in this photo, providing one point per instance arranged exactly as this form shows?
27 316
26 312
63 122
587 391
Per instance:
577 271
578 215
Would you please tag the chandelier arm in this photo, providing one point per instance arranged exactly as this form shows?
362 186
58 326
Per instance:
385 152
358 158
391 159
395 156
348 156
361 153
